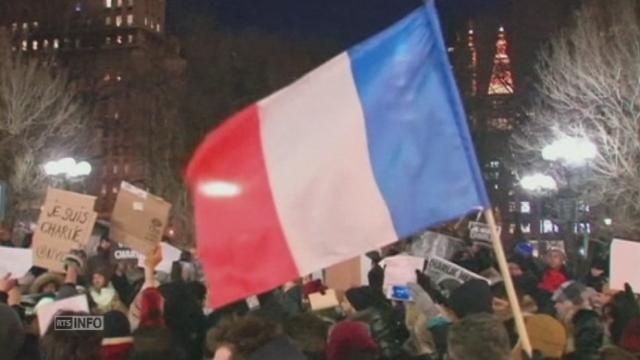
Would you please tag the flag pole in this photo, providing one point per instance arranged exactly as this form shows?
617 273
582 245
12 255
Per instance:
508 283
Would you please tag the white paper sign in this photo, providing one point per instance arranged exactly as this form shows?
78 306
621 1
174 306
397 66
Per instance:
431 244
169 255
47 312
400 270
447 276
479 232
15 261
623 265
326 301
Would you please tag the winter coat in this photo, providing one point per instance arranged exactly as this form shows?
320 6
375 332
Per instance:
116 348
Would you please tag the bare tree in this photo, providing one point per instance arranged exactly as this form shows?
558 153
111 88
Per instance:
590 88
41 118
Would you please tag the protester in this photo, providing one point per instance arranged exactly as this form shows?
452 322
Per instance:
351 340
556 273
479 336
597 276
117 341
103 293
588 336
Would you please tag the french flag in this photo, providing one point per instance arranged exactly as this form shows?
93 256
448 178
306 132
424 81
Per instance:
371 147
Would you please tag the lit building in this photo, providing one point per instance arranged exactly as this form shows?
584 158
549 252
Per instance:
117 53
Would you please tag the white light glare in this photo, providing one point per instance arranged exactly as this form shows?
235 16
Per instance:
608 221
538 182
219 189
574 151
68 167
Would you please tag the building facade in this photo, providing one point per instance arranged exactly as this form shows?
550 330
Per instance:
130 71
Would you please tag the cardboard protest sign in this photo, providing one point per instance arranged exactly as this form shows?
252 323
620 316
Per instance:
65 223
169 255
15 261
47 312
321 301
139 218
623 265
431 244
400 270
447 276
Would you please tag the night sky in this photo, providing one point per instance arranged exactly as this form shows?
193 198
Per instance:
343 21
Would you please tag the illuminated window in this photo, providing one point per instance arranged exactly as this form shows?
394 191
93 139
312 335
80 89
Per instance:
119 39
525 228
114 189
512 206
107 21
77 42
548 227
494 164
14 27
496 187
108 3
130 2
34 45
525 207
45 44
126 168
107 77
115 169
130 39
78 7
107 40
103 190
582 228
130 19
56 43
35 24
25 45
146 21
512 228
25 26
119 3
118 78
158 27
119 20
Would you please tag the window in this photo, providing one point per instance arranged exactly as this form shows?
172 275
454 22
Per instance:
78 43
158 27
115 169
583 207
114 189
116 115
494 164
25 45
130 39
107 21
525 228
34 45
126 168
25 26
119 3
130 19
45 44
103 190
108 3
56 43
107 77
14 27
146 21
107 40
78 7
118 78
582 228
35 24
548 227
130 2
525 207
119 39
119 20
512 228
496 187
512 206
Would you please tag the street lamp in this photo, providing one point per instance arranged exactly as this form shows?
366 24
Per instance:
68 168
538 182
573 151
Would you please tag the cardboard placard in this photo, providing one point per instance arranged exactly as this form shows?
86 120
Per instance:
400 270
319 301
46 313
16 261
447 276
623 263
65 223
139 218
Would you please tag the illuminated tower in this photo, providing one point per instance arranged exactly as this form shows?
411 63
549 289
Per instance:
501 82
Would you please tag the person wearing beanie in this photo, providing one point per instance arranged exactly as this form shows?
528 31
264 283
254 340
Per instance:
350 340
472 297
588 336
103 293
597 277
117 341
47 283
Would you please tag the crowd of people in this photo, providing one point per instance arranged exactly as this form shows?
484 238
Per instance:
151 315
